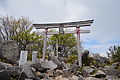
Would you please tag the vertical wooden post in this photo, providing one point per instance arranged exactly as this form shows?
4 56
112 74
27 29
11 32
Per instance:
57 48
45 44
78 45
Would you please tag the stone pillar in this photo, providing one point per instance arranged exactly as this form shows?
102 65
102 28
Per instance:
34 56
23 57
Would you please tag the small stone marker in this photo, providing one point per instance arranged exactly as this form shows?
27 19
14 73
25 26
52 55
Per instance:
34 56
23 57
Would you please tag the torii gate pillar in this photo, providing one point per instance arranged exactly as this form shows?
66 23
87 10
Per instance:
79 46
45 45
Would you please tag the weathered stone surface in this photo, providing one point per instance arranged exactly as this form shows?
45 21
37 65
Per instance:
58 73
4 75
115 65
4 65
10 51
75 78
100 74
112 72
27 73
48 65
60 78
92 78
100 61
109 78
14 70
56 61
66 73
87 71
50 73
38 67
74 68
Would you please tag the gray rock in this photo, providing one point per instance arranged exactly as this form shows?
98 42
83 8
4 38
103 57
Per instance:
115 65
87 71
50 73
101 61
66 73
38 67
4 65
14 71
48 65
109 78
76 78
28 79
92 78
27 73
74 69
100 74
4 75
58 73
56 61
10 51
112 72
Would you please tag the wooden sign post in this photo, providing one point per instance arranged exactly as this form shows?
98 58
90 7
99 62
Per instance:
61 27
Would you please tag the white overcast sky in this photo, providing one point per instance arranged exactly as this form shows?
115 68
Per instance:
105 31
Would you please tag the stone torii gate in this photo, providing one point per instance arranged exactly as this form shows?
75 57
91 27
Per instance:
61 27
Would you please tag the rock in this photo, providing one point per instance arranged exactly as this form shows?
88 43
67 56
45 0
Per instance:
74 68
100 74
27 73
60 78
109 78
65 66
58 73
92 78
56 61
48 65
85 54
66 73
10 51
28 79
112 72
4 75
87 71
75 78
4 65
62 59
115 65
14 71
63 79
50 73
38 67
100 61
44 76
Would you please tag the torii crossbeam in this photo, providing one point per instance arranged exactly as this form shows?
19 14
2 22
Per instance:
77 24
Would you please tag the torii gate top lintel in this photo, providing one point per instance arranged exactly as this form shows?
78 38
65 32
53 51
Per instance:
65 25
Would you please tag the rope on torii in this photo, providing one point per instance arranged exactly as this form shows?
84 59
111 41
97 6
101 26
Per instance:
61 27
